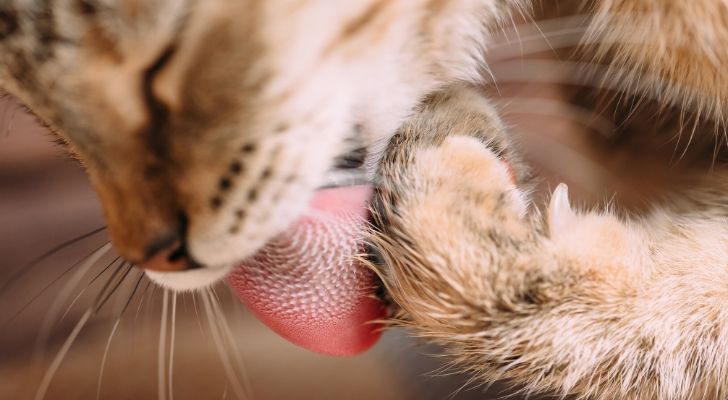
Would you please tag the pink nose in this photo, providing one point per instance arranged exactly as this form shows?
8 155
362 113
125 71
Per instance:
172 257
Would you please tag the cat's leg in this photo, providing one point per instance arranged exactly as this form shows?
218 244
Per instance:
674 48
571 302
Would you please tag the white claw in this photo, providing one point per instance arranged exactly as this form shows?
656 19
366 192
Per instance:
560 213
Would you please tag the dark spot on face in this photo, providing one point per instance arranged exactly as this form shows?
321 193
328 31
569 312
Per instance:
87 7
240 214
216 203
291 178
8 23
252 195
358 129
225 184
234 230
248 148
266 173
236 167
45 34
282 127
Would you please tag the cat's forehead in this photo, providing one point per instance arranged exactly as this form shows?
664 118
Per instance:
47 37
70 18
84 45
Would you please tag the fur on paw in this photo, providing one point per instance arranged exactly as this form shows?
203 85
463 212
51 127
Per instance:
599 240
460 187
465 168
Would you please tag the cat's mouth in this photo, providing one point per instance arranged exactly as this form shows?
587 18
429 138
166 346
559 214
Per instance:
308 285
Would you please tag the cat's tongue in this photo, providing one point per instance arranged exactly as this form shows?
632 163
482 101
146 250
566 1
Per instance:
307 285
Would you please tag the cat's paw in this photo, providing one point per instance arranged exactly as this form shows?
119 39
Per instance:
598 240
465 167
455 191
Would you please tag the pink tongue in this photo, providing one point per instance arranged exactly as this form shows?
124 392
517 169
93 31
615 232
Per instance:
306 284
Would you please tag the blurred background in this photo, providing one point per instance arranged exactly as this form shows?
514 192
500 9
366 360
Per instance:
45 200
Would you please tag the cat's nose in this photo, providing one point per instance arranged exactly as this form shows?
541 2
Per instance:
167 256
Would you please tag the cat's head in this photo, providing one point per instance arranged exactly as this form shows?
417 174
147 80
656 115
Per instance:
206 126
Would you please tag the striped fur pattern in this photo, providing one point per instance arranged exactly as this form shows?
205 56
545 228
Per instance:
221 117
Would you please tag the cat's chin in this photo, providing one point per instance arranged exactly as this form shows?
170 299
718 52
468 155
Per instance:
190 280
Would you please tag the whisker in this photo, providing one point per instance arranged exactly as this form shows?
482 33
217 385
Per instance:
516 31
238 315
36 261
696 122
162 347
581 74
103 358
232 344
91 282
110 288
111 336
535 25
547 25
53 368
170 373
560 38
197 314
217 339
64 294
558 108
47 286
144 296
151 299
184 303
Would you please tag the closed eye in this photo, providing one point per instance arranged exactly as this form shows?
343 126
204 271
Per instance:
158 111
151 73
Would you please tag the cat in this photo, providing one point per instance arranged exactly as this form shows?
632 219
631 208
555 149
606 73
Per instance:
206 127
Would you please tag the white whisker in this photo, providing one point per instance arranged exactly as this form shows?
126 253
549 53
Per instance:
560 109
197 314
84 290
111 337
53 368
171 346
544 26
64 294
103 359
161 384
582 74
217 339
144 296
220 316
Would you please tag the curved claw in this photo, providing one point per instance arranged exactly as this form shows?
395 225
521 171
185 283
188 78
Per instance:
560 215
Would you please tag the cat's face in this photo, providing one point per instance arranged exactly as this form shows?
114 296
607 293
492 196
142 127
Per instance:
209 124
